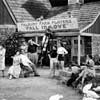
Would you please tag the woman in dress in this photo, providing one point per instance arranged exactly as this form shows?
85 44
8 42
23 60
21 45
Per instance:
2 59
14 70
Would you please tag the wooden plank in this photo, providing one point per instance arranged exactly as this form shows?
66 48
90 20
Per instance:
79 49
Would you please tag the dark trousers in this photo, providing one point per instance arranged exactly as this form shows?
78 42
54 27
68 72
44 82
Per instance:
33 66
72 79
29 70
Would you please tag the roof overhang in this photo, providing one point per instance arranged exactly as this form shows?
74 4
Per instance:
57 33
89 34
93 28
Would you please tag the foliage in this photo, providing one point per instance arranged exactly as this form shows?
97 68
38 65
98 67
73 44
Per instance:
12 44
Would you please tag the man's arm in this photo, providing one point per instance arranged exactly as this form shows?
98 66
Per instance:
80 75
66 52
49 56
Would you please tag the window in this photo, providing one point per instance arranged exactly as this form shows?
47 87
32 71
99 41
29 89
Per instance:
55 3
75 47
76 42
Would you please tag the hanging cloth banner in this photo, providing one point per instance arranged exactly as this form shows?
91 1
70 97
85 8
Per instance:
58 24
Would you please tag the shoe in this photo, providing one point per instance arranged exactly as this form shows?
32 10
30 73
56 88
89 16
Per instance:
37 75
10 77
26 75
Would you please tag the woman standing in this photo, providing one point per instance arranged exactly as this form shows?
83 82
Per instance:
2 59
61 51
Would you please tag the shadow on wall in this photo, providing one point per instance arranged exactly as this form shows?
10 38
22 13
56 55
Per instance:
36 8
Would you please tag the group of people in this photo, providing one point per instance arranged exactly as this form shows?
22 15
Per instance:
56 56
82 73
84 79
24 60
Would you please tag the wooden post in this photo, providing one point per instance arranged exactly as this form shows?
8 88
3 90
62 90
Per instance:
79 49
36 39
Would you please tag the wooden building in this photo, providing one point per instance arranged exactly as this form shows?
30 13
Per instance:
7 22
79 42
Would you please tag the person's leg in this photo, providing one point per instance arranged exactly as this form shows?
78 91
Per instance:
28 70
2 73
59 64
71 80
36 59
62 65
54 66
10 76
34 69
51 67
77 82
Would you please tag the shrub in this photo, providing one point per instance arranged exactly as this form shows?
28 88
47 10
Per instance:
12 44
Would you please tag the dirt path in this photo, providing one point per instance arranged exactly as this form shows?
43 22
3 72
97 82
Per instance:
35 88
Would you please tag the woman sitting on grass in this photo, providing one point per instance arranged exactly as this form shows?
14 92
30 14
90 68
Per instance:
90 90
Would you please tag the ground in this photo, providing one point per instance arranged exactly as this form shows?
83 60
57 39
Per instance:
35 88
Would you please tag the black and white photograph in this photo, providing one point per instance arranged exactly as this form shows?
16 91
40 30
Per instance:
49 50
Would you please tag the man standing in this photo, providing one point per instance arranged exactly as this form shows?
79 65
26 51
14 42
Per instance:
32 49
61 53
53 60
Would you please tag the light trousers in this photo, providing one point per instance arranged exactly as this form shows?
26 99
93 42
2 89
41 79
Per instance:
53 63
61 65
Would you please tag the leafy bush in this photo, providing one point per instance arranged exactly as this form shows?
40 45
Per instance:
12 44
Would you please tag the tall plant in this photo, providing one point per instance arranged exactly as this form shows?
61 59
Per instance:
12 44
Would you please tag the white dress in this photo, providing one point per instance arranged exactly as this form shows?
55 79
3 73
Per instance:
2 59
15 69
89 94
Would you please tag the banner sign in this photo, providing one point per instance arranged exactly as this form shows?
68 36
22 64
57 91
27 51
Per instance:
58 24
